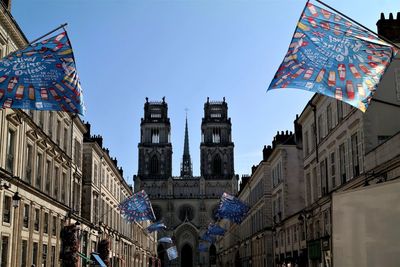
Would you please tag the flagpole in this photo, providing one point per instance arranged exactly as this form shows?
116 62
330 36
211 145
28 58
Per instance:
50 32
359 24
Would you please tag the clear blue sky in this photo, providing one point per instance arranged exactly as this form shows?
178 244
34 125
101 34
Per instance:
183 50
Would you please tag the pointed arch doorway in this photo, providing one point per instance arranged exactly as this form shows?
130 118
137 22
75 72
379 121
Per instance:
187 256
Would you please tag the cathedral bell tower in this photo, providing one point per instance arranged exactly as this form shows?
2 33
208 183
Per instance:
216 148
155 149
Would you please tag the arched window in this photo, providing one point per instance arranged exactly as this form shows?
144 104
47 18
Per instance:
186 213
213 255
157 212
154 168
217 165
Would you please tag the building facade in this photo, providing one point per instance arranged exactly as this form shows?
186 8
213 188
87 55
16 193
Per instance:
43 187
103 189
186 204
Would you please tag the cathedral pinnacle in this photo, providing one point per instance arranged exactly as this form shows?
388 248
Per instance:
186 167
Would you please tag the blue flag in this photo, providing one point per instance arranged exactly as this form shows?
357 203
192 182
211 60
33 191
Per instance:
202 247
232 208
172 253
208 237
41 77
331 55
215 229
137 208
158 226
165 239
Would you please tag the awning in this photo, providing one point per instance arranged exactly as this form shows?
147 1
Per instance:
98 260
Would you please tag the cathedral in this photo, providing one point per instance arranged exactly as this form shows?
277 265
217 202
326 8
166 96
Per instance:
186 204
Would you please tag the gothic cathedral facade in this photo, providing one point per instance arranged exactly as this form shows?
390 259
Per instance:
186 203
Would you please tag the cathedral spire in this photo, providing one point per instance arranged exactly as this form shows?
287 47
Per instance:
186 167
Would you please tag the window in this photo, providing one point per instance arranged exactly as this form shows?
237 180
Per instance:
216 135
323 167
313 137
29 163
51 124
54 226
306 145
155 136
48 177
355 155
24 253
4 251
56 182
10 151
217 165
77 196
333 169
329 121
58 132
277 174
7 209
295 233
41 118
342 162
320 128
39 161
65 187
37 220
65 140
44 255
339 110
186 213
35 252
78 154
46 223
25 222
53 256
95 170
315 184
154 167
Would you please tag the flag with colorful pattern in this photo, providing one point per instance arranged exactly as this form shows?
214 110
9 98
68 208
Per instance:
215 229
157 226
331 55
232 209
172 253
165 239
137 208
41 76
208 237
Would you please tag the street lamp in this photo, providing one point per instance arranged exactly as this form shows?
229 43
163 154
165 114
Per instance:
16 198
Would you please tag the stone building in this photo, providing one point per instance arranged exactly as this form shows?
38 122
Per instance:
41 183
103 189
336 141
186 204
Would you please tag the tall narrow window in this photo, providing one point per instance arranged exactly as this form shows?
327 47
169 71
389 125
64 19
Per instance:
29 163
306 144
333 169
53 256
154 168
313 132
217 165
339 111
37 220
54 226
155 136
342 162
355 155
58 132
44 255
39 161
95 173
46 223
78 154
7 209
51 116
41 119
48 177
324 176
25 222
64 188
10 151
65 141
308 184
35 252
24 252
56 183
4 251
320 128
216 136
315 184
329 117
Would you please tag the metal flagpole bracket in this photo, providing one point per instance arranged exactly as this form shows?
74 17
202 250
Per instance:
50 32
